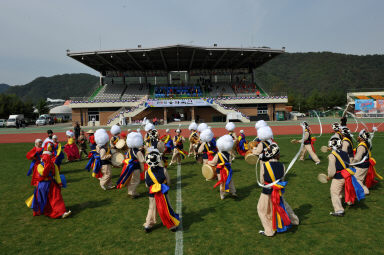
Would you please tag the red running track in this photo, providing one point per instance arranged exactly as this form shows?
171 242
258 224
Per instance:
248 131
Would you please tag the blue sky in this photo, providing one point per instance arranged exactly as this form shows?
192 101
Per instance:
36 33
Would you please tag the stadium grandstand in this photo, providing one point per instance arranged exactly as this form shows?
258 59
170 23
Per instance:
366 104
177 83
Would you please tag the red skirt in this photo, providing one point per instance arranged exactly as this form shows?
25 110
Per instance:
35 175
55 206
72 152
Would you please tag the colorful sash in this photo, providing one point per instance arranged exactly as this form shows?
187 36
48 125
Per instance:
34 161
352 188
39 198
126 173
242 146
225 174
59 155
169 218
210 154
372 173
168 143
280 218
94 163
179 143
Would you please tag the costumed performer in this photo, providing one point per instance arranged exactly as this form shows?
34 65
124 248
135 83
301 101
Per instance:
104 174
347 144
35 155
158 182
336 130
308 144
133 163
274 212
265 135
242 144
148 128
342 178
46 199
167 139
365 169
71 148
115 131
193 139
91 139
58 153
207 148
178 152
222 161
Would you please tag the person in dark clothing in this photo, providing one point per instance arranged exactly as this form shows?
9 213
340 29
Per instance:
77 131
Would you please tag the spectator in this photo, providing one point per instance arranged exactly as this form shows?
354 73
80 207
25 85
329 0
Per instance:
77 131
258 93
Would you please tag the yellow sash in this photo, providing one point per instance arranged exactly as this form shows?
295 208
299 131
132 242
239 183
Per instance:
272 175
341 161
156 187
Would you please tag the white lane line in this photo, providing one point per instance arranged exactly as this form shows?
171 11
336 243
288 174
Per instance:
179 207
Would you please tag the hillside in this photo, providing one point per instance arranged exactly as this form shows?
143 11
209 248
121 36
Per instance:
57 86
3 87
303 73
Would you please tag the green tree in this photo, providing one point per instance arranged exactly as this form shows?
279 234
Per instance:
42 107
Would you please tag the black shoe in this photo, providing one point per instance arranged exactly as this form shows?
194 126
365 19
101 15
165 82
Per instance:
341 214
147 230
174 229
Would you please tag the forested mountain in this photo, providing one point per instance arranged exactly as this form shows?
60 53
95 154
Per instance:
57 86
3 87
321 80
325 71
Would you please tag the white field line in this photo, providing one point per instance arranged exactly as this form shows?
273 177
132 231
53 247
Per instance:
179 207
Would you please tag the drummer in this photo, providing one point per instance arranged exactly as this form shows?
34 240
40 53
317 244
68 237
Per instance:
222 161
133 163
178 152
207 149
167 139
115 131
148 128
264 135
242 145
230 126
193 139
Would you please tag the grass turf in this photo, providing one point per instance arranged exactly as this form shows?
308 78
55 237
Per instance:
109 222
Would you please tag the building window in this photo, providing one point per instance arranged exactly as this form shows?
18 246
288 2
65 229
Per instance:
262 111
93 116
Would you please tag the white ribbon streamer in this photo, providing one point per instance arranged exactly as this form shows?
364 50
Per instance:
321 126
268 186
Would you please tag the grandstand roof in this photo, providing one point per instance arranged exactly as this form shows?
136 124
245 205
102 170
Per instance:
175 58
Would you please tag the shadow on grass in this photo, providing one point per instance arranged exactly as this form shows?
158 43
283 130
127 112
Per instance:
244 192
195 217
303 211
75 171
77 208
359 205
70 180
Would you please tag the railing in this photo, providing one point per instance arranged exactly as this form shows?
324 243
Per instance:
82 100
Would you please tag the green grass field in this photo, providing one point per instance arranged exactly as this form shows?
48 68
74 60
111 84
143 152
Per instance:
109 222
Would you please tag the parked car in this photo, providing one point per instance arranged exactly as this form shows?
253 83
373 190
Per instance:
43 120
3 122
297 114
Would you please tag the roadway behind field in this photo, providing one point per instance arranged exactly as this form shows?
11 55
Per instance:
29 134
